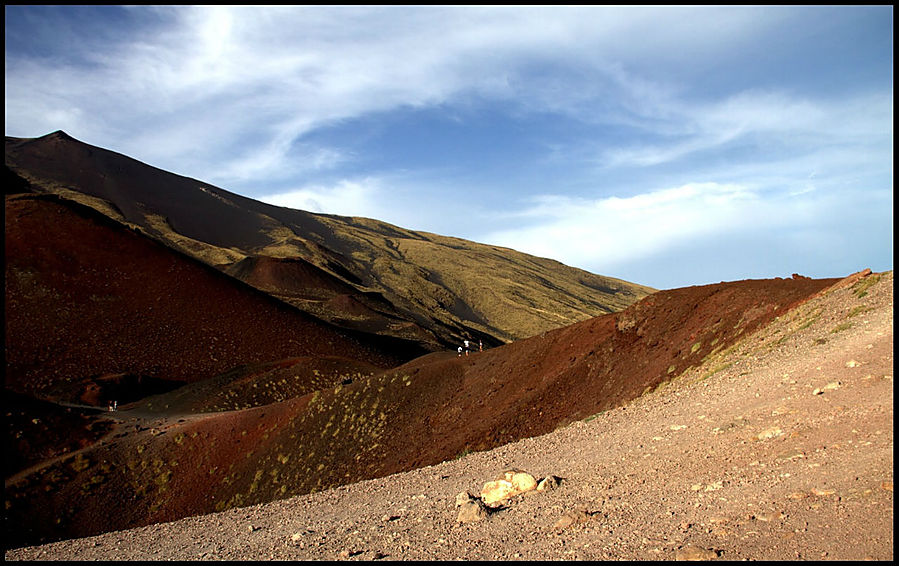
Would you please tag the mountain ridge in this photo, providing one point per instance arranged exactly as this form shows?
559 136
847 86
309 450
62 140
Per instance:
260 422
274 401
448 288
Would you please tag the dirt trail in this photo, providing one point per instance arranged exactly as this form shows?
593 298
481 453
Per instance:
778 449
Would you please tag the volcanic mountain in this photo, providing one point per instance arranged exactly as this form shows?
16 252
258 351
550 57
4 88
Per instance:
358 273
229 396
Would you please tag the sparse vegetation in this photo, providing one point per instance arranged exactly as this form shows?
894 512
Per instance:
858 310
841 327
861 287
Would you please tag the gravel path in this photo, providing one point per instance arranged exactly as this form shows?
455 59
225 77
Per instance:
780 449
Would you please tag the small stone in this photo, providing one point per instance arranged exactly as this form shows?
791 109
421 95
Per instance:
822 492
463 497
817 392
770 433
571 518
886 486
769 517
693 552
296 537
832 386
852 364
548 483
471 511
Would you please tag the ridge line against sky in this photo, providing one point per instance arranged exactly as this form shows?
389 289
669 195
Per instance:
668 146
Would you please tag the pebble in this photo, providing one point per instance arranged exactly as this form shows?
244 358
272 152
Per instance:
471 511
571 518
693 552
463 497
770 433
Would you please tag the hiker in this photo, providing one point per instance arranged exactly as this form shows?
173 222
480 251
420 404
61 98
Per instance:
460 351
467 348
480 345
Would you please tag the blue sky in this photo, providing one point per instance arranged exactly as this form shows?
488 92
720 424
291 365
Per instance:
668 146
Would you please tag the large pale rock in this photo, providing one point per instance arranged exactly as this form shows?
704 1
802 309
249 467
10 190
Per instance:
511 483
496 491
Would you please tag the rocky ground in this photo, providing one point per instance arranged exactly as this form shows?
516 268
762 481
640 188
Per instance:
779 449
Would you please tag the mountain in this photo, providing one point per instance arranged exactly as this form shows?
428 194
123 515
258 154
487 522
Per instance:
359 273
229 397
777 448
92 305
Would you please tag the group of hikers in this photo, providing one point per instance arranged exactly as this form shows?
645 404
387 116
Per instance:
467 346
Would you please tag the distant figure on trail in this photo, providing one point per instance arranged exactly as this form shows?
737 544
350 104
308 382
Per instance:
480 345
467 347
460 351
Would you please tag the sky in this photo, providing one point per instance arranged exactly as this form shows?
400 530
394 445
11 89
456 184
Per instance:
667 146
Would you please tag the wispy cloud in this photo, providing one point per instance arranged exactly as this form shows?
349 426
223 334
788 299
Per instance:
608 230
660 124
346 198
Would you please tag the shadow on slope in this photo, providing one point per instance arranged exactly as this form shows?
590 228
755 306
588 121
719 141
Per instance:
86 298
308 287
442 288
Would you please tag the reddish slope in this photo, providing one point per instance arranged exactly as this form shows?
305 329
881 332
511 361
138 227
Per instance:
86 298
427 411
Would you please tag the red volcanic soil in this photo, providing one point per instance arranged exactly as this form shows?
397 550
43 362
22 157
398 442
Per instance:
86 298
169 462
533 386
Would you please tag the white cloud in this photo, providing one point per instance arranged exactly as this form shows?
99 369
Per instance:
230 95
605 231
268 75
345 198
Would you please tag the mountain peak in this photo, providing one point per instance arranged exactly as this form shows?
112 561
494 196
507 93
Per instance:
59 134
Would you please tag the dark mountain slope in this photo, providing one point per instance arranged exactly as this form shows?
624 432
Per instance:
442 289
87 298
